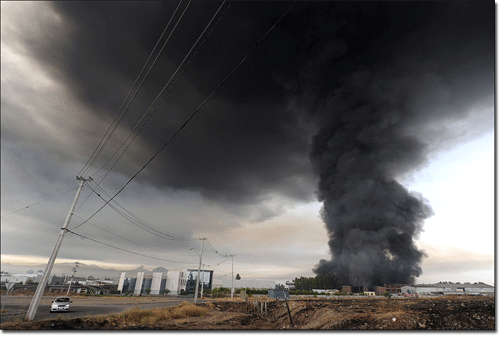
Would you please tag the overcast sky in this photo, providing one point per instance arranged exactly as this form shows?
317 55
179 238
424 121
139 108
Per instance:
244 172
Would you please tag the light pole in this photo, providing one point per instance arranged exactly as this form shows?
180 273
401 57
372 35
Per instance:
199 268
74 272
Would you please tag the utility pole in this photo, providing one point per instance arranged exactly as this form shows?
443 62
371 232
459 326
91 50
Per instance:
232 277
199 268
202 279
74 272
30 315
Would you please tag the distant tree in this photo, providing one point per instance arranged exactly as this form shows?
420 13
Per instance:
148 290
238 277
322 281
166 291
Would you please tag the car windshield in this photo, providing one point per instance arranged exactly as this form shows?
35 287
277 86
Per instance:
62 300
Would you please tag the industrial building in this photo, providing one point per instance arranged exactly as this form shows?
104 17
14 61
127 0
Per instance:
394 288
346 289
31 276
449 289
177 282
252 284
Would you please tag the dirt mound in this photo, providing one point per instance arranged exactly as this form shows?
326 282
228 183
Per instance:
417 313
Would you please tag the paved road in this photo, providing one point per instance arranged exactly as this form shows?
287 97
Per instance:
17 306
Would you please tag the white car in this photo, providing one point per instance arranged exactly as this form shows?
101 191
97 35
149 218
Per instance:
60 304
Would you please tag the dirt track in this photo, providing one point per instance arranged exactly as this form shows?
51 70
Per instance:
476 313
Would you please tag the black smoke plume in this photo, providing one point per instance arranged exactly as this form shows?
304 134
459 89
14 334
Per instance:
371 218
383 105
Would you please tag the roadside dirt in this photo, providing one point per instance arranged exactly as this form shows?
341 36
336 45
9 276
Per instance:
476 313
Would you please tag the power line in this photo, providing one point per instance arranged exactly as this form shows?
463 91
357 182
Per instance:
125 250
39 202
218 264
143 245
135 220
164 95
105 139
144 226
212 248
192 115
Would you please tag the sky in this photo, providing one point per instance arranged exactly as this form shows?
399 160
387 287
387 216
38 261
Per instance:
252 171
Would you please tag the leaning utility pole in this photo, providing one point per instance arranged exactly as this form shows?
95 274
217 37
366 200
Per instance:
199 268
30 315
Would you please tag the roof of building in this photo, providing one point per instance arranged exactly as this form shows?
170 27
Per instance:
452 285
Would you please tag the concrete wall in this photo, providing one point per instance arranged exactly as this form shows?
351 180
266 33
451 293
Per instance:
174 283
138 284
155 284
255 284
120 282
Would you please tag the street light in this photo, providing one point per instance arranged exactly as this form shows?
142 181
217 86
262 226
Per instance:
74 272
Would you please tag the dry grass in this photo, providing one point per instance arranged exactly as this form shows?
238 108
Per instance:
153 316
228 299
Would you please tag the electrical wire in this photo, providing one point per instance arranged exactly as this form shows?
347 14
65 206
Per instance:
104 140
38 202
126 239
163 97
218 264
190 117
125 250
160 94
212 248
126 108
139 223
132 218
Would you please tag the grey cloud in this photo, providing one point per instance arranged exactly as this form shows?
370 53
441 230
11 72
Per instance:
372 82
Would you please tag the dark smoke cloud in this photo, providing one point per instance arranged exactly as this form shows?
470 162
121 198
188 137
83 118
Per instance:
371 81
372 219
376 122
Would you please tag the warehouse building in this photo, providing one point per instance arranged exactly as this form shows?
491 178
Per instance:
449 289
22 278
176 282
394 288
251 284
